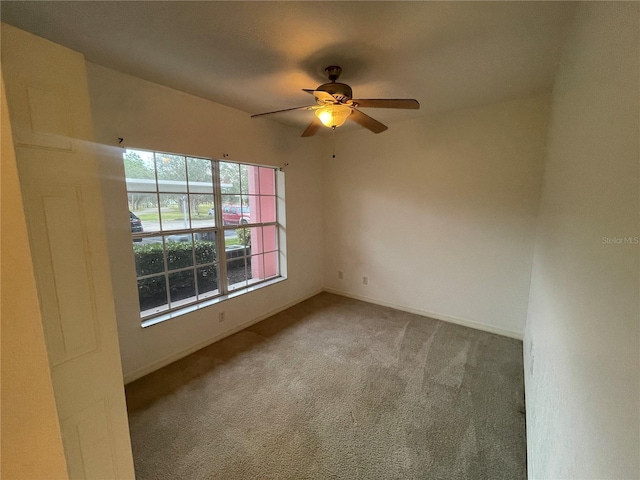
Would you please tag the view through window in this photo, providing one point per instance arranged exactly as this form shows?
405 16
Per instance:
201 228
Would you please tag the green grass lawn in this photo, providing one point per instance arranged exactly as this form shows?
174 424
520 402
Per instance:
231 241
173 213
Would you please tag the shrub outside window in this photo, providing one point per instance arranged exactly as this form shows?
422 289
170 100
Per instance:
201 228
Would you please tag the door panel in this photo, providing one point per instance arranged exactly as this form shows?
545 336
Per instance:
88 433
59 248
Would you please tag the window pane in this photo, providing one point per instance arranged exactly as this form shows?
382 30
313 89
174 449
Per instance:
179 251
205 247
268 209
229 200
139 171
267 181
269 238
172 173
256 267
230 177
144 208
174 212
245 211
252 207
230 237
244 238
135 224
200 176
235 251
153 295
236 269
202 211
149 256
181 286
233 213
244 179
207 281
270 264
253 180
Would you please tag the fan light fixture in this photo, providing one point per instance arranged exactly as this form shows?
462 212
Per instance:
333 115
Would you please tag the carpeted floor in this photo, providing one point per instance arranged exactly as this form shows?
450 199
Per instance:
335 388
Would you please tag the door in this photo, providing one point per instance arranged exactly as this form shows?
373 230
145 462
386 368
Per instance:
48 101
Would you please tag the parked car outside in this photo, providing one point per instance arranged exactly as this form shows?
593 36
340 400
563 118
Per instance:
136 225
235 215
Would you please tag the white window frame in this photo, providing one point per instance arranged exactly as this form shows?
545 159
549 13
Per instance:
179 307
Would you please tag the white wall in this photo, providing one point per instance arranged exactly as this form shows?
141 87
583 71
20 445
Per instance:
150 116
582 338
440 215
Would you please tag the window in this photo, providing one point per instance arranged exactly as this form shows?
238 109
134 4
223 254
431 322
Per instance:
201 228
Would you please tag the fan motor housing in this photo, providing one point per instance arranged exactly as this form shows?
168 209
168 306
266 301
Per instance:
340 91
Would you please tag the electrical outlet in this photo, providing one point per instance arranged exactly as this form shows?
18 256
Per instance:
365 280
340 274
221 317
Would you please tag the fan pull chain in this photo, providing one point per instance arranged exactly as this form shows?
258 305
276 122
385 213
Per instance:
334 142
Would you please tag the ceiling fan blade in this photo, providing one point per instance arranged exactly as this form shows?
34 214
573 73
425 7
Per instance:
408 103
312 128
366 121
308 107
308 90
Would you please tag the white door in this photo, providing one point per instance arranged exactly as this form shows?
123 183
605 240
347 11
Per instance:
50 114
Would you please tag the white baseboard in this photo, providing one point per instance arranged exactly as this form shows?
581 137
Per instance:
438 316
141 372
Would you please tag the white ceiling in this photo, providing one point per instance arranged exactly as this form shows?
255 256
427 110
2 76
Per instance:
257 56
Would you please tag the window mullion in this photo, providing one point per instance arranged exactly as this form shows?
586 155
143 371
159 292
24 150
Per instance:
193 235
221 250
155 173
166 273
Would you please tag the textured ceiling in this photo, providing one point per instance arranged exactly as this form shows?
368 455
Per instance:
257 56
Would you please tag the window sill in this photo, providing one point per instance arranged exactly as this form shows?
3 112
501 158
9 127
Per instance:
207 303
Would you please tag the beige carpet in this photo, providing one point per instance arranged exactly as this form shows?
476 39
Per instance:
335 388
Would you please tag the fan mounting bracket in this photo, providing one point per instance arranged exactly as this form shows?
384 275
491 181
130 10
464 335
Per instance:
333 72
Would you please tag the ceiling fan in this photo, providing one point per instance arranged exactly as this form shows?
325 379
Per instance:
334 105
